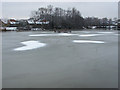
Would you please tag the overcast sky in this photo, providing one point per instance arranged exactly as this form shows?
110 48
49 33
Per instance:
23 9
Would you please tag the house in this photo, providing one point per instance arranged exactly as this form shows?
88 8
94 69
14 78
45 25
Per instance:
37 24
13 21
8 25
23 24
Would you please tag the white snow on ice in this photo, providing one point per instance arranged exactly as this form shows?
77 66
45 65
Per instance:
59 34
29 45
87 41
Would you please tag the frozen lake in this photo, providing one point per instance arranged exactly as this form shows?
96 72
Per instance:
81 59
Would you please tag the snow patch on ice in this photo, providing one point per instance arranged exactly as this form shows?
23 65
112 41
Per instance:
87 41
89 35
59 34
29 45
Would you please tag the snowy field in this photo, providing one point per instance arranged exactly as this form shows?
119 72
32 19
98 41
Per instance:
81 59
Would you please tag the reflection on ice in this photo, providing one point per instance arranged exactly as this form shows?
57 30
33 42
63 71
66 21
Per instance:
85 31
88 35
30 45
58 34
106 32
117 34
87 41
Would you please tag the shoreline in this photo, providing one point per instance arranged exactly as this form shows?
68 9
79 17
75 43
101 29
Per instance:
62 30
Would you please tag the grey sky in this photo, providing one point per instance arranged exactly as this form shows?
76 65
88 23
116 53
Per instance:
23 9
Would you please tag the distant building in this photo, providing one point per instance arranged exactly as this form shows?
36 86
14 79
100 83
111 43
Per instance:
37 24
8 25
13 21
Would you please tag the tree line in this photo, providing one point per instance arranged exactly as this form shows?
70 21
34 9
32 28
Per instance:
59 18
70 19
